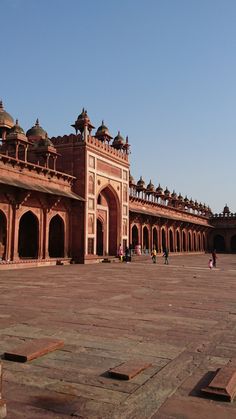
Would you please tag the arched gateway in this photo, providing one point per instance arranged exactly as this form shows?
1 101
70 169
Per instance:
28 236
108 228
56 237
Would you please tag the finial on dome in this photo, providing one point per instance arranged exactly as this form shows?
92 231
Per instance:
37 122
1 104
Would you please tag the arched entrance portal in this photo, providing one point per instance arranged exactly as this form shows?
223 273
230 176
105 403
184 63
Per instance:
163 239
28 236
184 241
99 238
108 237
56 237
135 240
219 243
171 241
155 239
233 244
145 238
3 235
178 241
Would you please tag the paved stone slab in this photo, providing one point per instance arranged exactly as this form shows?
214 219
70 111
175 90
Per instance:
180 318
223 384
3 409
33 349
128 369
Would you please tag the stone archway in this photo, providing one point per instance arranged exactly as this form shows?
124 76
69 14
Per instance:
100 238
108 210
184 241
219 243
155 239
190 242
3 235
135 239
145 238
28 236
171 241
177 241
163 239
56 237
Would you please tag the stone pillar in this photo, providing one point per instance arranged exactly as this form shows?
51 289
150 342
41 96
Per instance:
46 232
15 234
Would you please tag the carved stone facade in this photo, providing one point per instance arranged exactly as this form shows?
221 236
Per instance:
72 198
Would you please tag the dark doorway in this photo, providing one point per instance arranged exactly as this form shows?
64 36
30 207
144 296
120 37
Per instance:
145 238
189 242
219 243
99 238
28 236
3 235
155 239
135 240
194 242
184 241
178 241
171 241
233 244
56 237
163 239
204 242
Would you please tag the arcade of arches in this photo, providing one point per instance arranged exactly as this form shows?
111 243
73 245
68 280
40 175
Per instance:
31 240
175 238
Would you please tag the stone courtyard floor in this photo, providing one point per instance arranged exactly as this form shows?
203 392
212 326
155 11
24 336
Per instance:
180 318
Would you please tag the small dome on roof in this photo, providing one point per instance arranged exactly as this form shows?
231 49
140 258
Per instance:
186 200
141 183
191 202
82 120
226 209
6 119
103 132
150 186
159 189
44 142
118 141
16 129
36 131
174 195
167 192
131 179
180 198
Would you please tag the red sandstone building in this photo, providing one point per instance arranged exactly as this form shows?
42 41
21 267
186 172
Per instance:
72 198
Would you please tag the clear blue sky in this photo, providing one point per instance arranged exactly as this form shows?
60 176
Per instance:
161 71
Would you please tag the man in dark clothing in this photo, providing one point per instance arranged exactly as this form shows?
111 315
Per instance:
166 255
214 257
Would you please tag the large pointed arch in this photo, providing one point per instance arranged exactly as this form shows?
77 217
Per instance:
56 241
28 242
135 236
111 220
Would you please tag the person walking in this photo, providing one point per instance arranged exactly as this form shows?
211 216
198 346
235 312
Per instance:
214 257
154 255
120 253
166 256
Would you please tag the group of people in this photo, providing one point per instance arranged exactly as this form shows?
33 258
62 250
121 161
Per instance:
165 255
124 255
